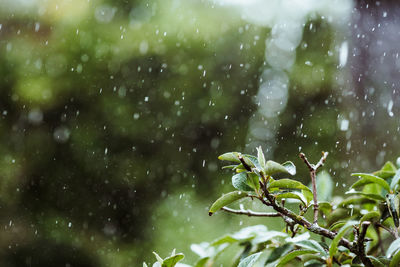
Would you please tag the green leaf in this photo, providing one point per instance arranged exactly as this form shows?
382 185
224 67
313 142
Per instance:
230 156
278 252
387 171
312 245
394 246
233 167
324 186
337 215
395 180
290 256
395 262
250 260
308 194
226 200
288 184
202 262
337 225
325 207
355 200
366 195
252 161
239 181
225 239
290 167
293 195
335 242
261 157
377 262
252 181
392 201
370 179
172 260
371 216
272 167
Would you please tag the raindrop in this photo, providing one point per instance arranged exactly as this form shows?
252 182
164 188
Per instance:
344 125
389 108
61 134
104 13
343 54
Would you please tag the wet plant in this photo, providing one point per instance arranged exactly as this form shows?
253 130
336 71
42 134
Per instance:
360 229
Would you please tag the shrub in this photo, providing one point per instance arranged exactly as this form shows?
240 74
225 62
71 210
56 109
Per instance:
360 229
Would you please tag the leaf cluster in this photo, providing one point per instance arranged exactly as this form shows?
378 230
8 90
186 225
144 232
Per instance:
353 230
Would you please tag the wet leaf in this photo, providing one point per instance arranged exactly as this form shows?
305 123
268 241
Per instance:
387 171
202 262
395 262
290 167
233 167
395 181
230 156
225 239
325 207
290 256
365 195
252 161
239 181
253 181
312 245
335 242
261 157
370 179
392 201
377 262
394 246
172 260
288 184
278 252
337 215
356 200
226 200
371 216
293 195
250 260
272 167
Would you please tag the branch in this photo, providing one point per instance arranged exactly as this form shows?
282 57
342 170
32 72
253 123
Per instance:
313 171
314 228
251 213
322 160
360 243
246 166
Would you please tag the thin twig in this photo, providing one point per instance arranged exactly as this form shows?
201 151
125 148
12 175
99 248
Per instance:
313 171
322 160
251 213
